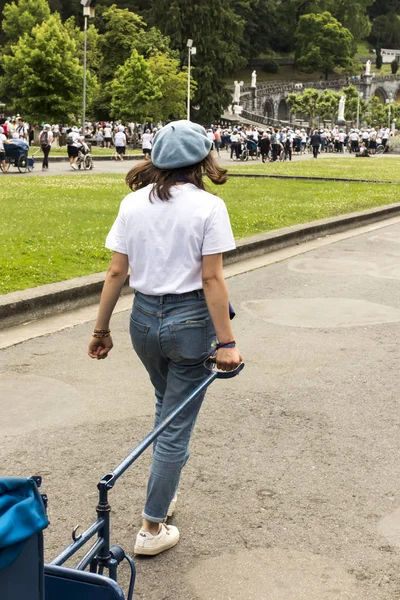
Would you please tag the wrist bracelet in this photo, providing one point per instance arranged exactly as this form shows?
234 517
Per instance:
100 335
231 344
102 331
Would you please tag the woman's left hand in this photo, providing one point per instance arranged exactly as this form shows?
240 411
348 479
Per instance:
100 347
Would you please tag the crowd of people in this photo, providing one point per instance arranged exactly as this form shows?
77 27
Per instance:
242 142
77 140
273 144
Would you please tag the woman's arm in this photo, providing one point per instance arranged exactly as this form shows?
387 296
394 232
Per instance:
216 295
115 279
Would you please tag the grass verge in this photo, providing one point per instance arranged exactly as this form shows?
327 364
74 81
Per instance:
54 227
374 168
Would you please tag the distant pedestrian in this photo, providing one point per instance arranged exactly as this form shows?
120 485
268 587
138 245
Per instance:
120 143
315 142
147 140
45 141
73 146
107 135
3 140
265 146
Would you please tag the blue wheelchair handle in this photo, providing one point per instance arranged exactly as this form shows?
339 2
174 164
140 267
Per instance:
210 364
108 481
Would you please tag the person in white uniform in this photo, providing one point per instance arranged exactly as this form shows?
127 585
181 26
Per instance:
171 233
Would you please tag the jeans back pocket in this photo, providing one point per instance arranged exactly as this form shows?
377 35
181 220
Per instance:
190 340
138 334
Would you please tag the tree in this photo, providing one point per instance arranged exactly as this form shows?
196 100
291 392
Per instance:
386 31
322 44
133 90
327 105
216 31
21 17
378 59
352 14
305 104
116 43
43 74
172 83
353 100
93 54
259 17
376 113
382 7
123 32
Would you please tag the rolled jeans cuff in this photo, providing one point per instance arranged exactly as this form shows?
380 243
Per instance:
153 519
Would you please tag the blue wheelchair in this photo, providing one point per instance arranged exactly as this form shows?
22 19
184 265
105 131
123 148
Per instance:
23 573
16 152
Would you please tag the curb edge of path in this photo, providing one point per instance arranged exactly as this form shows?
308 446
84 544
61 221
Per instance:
48 300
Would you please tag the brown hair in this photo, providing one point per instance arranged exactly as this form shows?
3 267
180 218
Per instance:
145 173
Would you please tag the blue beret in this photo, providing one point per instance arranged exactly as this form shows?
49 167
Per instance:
180 144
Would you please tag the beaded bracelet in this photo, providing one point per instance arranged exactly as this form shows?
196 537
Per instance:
102 331
231 344
100 335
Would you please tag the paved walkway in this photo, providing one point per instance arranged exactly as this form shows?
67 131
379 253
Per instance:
292 491
114 166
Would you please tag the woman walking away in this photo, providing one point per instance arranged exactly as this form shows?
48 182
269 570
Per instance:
120 143
45 140
171 233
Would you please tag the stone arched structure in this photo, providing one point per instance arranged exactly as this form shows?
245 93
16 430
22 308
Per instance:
269 111
283 110
267 103
381 95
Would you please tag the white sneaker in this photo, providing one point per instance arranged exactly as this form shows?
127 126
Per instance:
149 544
73 166
172 506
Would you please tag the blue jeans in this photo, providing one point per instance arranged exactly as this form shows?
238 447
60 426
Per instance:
172 335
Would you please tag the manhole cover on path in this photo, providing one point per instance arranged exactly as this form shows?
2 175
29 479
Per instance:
321 312
272 574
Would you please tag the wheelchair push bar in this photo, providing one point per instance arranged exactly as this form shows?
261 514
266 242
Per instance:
101 555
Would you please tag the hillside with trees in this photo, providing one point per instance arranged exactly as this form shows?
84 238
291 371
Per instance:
148 39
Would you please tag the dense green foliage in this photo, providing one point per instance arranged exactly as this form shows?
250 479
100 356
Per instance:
322 43
43 74
228 36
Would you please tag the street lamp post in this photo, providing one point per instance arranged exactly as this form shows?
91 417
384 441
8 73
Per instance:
360 95
191 51
88 12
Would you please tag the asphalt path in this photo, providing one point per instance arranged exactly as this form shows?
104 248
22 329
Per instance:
292 491
122 167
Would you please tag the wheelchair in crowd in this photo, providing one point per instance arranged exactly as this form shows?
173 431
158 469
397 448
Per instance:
16 152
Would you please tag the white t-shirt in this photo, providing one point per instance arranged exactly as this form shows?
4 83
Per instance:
147 139
120 139
75 137
107 132
2 140
165 241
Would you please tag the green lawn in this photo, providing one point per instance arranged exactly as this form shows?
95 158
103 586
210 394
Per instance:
54 227
374 168
95 151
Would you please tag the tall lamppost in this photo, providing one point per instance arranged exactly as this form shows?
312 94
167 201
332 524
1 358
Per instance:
191 51
360 95
88 13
